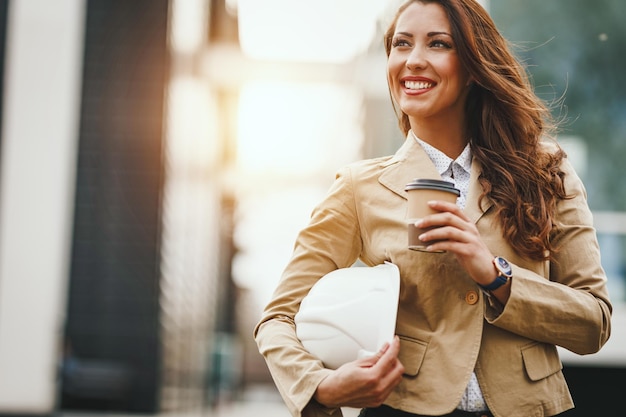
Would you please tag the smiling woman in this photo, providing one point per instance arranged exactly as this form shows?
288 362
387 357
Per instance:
471 117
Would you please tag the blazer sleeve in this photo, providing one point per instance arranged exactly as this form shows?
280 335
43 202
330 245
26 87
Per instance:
571 309
330 241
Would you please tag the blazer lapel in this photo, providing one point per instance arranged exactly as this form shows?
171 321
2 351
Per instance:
411 161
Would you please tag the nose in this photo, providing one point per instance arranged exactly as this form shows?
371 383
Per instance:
416 59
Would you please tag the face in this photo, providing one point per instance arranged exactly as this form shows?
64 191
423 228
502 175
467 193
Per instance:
425 75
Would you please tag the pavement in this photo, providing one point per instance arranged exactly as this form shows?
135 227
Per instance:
256 401
251 409
262 401
262 409
235 409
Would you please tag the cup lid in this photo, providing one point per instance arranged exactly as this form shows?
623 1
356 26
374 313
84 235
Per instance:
432 184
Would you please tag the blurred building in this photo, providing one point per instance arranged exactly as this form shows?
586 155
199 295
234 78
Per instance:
115 245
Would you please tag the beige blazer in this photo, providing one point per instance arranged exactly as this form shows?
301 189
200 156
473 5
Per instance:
448 327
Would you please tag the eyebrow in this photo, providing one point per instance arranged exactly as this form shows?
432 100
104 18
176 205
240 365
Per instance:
429 34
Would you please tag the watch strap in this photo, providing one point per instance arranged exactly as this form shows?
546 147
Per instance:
504 274
496 283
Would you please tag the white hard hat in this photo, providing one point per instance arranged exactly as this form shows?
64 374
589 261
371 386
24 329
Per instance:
349 313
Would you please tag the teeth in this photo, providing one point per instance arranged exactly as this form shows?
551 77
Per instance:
417 85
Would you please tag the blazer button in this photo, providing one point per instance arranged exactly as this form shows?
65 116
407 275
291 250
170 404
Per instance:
471 297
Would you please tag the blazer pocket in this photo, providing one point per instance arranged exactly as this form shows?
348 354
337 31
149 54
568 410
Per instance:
412 352
541 360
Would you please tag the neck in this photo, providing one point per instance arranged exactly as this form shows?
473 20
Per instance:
452 146
448 140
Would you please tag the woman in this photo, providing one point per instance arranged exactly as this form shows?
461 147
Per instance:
478 325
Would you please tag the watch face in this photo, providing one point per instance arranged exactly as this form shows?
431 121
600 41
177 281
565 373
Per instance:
503 266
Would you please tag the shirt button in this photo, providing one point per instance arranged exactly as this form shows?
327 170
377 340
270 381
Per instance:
471 297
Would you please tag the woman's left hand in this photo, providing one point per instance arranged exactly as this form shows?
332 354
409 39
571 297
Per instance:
459 235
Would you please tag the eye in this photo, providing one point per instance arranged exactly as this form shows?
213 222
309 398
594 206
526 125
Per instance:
439 43
398 42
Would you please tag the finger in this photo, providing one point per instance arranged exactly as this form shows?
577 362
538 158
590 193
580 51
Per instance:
370 360
442 219
389 357
383 349
393 376
449 233
440 205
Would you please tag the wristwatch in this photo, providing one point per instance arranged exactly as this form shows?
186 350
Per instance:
505 272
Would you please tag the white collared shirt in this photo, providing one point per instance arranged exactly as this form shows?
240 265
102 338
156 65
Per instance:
458 172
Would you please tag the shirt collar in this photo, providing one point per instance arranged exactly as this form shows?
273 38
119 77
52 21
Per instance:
442 161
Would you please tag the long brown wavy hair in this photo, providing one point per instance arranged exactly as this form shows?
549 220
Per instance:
506 122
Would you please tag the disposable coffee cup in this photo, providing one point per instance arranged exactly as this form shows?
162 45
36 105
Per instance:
420 191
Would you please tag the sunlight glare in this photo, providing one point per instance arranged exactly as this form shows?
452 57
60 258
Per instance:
301 30
294 128
188 25
190 125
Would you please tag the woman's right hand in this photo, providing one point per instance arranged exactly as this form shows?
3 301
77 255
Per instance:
365 382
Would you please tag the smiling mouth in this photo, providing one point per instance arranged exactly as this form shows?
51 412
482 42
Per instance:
418 85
